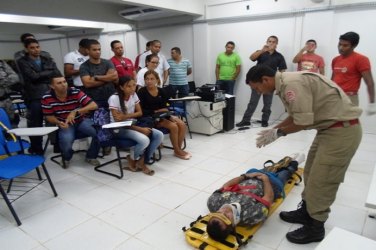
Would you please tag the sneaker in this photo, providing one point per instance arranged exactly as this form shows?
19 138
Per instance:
243 123
93 162
299 216
264 124
64 163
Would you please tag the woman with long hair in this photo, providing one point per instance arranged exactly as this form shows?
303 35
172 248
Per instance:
125 105
154 100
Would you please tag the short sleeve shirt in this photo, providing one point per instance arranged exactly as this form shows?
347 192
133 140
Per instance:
275 60
178 71
151 103
311 62
347 71
130 104
227 65
124 67
76 59
252 211
103 92
313 100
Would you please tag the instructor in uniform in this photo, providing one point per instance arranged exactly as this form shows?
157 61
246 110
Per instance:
312 102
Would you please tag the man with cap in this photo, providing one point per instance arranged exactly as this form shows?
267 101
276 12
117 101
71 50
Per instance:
312 102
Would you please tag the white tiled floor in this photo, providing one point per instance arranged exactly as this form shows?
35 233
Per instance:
96 211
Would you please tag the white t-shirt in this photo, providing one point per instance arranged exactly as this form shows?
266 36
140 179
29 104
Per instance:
75 58
130 104
141 74
162 66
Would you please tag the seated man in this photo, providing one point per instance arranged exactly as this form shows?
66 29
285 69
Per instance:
66 107
245 200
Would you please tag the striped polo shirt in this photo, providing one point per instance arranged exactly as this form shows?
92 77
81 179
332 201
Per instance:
61 109
178 71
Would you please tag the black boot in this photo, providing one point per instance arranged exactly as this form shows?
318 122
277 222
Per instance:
311 232
300 215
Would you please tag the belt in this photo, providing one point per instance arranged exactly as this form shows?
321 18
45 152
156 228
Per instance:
342 124
351 93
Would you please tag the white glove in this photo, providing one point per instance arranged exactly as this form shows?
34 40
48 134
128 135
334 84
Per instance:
266 137
371 109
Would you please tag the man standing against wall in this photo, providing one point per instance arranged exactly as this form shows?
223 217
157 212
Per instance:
180 68
123 65
312 102
275 60
98 75
308 60
36 71
163 65
350 67
73 61
137 60
227 68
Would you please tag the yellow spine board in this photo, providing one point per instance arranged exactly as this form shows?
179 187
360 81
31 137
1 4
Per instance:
197 236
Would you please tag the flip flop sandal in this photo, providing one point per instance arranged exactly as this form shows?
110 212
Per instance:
148 171
131 169
184 157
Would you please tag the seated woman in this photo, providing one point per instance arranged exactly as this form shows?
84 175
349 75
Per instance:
151 62
125 105
154 100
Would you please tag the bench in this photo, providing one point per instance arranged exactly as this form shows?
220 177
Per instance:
344 240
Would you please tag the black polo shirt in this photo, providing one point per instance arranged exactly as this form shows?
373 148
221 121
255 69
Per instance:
275 60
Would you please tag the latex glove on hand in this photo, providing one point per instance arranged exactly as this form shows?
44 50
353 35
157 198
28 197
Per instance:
371 109
266 137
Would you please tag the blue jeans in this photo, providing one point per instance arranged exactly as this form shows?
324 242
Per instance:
144 145
68 135
226 85
183 89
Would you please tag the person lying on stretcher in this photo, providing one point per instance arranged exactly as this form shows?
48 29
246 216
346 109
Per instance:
245 200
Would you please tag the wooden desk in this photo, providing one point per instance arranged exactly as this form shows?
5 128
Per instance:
339 239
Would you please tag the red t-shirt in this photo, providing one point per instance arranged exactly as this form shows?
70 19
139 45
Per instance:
347 71
311 62
124 67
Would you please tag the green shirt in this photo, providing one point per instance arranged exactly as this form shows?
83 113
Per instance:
227 65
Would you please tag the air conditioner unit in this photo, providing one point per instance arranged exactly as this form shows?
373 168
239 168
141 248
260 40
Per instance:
144 13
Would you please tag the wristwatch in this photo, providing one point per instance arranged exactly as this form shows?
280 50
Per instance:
280 133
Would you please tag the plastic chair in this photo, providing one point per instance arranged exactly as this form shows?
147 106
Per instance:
10 145
16 166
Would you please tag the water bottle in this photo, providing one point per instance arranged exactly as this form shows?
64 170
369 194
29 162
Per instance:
177 94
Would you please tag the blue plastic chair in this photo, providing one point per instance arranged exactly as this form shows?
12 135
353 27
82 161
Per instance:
10 146
16 166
